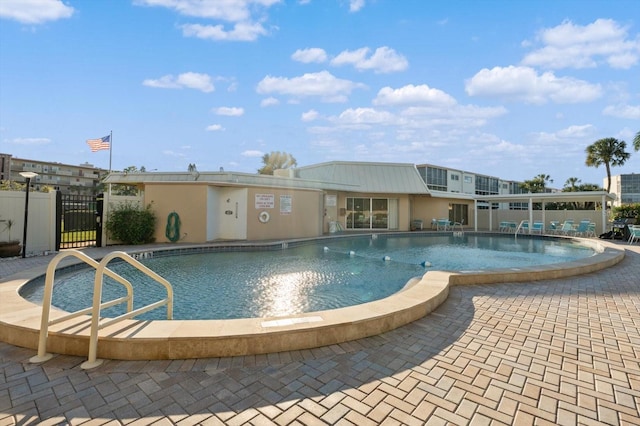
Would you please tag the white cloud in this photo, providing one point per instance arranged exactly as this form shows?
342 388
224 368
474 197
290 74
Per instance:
631 112
269 102
230 111
310 115
189 80
34 11
322 84
242 31
309 55
383 60
214 128
411 94
574 46
228 10
366 116
252 153
525 84
170 153
30 141
245 15
356 5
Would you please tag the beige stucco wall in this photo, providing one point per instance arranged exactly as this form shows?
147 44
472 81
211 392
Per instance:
188 200
303 220
427 208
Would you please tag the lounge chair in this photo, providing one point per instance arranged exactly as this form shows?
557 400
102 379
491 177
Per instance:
566 228
582 228
537 228
554 227
634 234
591 230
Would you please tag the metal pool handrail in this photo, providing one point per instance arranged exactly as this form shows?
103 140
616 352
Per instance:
101 270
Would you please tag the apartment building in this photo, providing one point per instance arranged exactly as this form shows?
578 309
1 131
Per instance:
626 187
66 178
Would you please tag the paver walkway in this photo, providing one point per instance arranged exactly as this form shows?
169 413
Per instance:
550 352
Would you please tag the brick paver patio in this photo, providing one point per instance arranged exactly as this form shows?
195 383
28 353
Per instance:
561 352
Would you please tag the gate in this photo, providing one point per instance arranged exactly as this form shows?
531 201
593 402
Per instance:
78 221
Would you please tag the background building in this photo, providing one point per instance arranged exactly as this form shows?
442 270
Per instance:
626 187
66 178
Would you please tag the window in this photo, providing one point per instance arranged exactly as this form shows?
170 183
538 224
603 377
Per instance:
455 177
436 178
468 179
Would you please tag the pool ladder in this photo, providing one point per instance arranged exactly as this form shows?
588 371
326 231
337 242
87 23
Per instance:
524 226
94 310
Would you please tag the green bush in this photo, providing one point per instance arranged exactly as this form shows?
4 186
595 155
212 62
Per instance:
627 211
130 224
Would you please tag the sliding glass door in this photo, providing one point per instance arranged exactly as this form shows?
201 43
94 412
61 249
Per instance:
371 213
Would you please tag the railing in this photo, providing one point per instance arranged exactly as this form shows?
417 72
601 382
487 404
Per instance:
524 225
97 305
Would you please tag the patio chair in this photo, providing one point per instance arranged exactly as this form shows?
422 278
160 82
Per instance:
567 227
554 227
591 230
504 226
537 228
634 234
582 228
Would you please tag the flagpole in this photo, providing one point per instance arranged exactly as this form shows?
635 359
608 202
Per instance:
110 148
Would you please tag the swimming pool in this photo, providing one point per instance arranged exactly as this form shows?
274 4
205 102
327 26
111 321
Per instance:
307 278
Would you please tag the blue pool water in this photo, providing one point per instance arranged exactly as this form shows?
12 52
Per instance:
326 275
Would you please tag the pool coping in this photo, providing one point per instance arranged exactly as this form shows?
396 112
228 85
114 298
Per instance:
182 339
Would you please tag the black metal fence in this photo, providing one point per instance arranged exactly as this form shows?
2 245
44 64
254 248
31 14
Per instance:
79 220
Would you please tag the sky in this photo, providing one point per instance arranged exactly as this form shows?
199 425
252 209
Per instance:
506 88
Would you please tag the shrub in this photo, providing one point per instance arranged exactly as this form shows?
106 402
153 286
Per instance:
131 224
627 211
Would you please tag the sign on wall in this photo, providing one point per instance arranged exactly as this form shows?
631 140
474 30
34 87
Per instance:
285 204
265 201
331 200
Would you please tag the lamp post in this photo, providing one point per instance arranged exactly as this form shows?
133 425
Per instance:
28 176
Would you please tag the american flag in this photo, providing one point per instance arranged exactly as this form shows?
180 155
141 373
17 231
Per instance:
98 144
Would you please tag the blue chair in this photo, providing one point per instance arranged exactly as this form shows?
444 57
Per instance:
537 228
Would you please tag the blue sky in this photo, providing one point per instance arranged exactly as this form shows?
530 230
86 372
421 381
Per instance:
505 88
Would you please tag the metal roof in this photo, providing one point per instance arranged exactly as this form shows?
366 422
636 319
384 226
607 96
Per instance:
389 178
224 179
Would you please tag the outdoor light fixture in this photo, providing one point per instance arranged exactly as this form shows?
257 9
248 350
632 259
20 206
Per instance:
28 176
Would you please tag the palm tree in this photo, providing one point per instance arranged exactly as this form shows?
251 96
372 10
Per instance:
276 160
636 142
608 151
537 184
571 185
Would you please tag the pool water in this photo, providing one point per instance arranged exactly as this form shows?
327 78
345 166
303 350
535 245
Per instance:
326 275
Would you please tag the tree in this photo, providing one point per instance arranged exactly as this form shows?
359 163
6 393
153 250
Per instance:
571 184
636 142
276 160
537 184
608 151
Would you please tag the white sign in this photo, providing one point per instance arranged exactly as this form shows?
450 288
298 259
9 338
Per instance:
265 201
285 204
331 200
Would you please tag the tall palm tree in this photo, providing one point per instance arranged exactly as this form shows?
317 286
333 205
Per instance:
608 151
636 142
